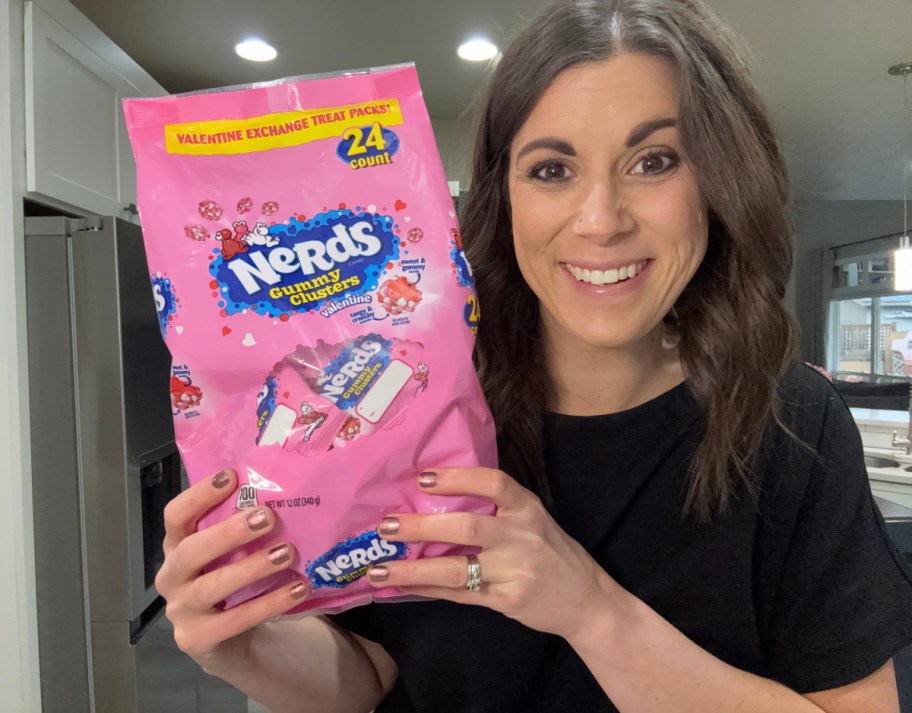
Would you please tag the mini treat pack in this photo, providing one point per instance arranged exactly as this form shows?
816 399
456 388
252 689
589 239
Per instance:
311 286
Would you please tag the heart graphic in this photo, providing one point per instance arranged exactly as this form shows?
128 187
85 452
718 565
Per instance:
371 208
226 331
249 341
179 329
401 205
403 352
408 219
452 214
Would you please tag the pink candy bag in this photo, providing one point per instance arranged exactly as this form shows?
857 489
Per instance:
312 289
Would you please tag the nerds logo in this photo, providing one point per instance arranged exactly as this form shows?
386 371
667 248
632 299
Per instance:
165 304
350 560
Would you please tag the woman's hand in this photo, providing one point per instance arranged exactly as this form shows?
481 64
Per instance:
532 570
216 639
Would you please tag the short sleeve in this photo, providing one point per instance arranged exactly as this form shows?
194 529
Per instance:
843 604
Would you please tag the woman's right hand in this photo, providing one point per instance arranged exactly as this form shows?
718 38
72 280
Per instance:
219 640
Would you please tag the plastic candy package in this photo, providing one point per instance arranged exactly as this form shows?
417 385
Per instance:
312 289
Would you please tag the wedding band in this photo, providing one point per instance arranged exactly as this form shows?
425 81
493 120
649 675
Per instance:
474 579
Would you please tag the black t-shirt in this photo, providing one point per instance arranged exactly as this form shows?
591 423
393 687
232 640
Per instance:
802 585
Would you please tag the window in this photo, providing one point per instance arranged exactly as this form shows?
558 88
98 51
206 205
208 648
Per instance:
867 326
873 273
871 336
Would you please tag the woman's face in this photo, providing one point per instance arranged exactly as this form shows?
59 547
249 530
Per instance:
608 223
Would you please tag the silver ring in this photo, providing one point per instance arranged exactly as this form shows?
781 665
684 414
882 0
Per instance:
474 579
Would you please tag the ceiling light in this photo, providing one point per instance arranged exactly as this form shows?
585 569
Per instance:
255 50
477 50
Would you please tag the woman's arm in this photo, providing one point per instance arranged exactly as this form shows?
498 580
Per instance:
310 664
292 666
537 574
646 665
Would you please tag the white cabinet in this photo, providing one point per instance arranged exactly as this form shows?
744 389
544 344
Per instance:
78 152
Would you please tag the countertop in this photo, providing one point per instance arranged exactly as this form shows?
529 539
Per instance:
881 417
893 475
893 512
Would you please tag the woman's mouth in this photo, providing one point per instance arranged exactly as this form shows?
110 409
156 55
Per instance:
607 276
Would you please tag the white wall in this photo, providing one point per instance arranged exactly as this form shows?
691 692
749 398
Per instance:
19 677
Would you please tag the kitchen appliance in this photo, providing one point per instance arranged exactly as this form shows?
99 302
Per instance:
104 465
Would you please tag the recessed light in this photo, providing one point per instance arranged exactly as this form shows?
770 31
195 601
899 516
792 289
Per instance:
477 50
255 50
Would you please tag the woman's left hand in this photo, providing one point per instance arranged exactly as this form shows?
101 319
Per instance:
532 570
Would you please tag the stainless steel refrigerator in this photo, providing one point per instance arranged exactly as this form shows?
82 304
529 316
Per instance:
104 464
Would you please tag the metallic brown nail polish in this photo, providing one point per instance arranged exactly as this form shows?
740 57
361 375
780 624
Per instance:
299 591
428 479
389 526
258 519
221 479
378 573
279 554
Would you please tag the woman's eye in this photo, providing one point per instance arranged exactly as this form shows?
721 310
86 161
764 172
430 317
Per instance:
549 171
655 164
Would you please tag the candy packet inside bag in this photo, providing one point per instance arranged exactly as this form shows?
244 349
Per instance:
311 286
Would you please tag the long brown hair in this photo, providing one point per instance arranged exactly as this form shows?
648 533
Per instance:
736 338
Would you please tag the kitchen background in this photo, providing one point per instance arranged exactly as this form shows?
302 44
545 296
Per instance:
821 64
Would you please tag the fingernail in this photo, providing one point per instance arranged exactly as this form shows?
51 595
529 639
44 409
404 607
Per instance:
378 573
428 479
389 526
258 519
221 479
299 591
280 554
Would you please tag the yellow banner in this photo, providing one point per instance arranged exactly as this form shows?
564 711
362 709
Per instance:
272 131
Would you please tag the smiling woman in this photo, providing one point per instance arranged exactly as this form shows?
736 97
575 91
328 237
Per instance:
681 504
683 517
696 102
609 196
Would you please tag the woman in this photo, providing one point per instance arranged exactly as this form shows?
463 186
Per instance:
687 524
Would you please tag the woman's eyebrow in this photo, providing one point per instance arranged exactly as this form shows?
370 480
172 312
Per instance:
549 142
642 131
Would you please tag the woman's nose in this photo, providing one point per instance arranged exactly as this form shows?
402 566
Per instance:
602 213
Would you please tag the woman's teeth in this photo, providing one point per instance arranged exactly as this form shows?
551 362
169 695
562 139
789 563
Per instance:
605 277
